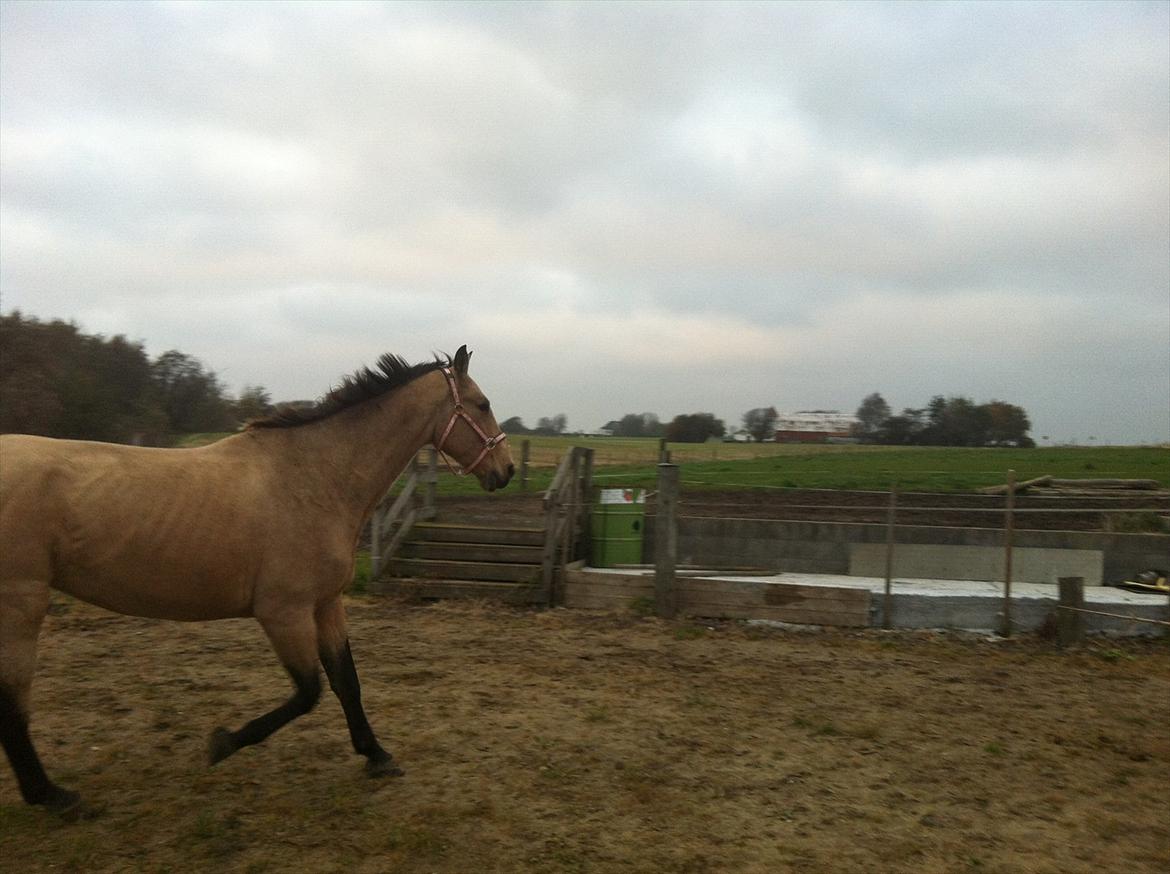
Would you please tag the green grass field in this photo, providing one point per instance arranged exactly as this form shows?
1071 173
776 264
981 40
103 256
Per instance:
632 462
768 465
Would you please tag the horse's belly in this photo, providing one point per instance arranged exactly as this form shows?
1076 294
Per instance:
190 590
159 599
160 561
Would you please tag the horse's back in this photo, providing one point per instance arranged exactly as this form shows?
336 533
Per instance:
144 531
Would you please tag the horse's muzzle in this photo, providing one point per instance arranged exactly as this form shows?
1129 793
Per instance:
493 480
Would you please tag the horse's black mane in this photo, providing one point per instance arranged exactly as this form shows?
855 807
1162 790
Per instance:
392 372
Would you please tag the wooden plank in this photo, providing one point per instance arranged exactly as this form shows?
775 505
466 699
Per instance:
1135 484
404 497
507 592
591 601
396 541
1019 487
610 591
777 594
703 607
773 594
732 599
812 615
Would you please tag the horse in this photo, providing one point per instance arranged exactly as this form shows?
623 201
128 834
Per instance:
263 524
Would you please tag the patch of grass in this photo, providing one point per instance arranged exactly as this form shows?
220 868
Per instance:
642 607
994 748
415 840
1109 828
1114 655
598 714
218 836
689 632
362 572
817 727
1123 776
555 773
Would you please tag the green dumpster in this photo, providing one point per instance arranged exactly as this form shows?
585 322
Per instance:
615 527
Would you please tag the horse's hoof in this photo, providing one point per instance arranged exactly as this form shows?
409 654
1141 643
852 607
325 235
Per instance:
383 768
220 746
68 805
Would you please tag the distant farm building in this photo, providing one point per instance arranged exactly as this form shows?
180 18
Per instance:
816 426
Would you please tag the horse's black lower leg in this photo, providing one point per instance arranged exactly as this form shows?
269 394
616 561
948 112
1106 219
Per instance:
308 691
343 679
35 785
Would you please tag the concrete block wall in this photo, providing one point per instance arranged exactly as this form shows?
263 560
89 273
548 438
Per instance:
825 547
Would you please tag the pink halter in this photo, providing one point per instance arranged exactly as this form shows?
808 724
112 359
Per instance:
489 443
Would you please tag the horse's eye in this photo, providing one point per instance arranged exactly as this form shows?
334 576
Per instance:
485 407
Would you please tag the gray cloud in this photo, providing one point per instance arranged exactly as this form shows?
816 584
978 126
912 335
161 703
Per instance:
624 207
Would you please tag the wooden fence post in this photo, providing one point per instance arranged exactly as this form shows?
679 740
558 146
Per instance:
376 541
891 514
1009 525
569 539
431 485
525 452
584 505
666 542
1070 624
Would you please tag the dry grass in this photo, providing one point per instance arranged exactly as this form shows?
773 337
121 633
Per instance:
578 742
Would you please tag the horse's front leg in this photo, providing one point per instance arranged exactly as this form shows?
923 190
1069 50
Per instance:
293 634
337 658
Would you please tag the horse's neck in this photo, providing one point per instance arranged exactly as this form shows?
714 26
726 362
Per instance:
358 453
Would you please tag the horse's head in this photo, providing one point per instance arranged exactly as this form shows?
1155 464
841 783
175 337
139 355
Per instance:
467 431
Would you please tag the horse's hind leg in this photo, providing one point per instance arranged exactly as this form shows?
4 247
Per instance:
23 605
337 659
294 637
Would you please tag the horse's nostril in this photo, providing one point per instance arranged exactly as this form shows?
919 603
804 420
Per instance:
511 470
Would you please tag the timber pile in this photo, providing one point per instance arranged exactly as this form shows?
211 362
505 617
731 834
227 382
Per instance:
1050 486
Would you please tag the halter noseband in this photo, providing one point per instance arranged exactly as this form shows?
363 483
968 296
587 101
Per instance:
489 443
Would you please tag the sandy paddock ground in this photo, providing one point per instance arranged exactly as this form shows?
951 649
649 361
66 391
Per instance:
569 741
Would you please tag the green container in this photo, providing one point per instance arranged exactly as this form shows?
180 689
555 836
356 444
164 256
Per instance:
615 527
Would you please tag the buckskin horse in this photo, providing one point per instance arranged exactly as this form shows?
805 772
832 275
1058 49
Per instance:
264 523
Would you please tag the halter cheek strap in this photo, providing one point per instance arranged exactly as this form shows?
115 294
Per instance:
489 443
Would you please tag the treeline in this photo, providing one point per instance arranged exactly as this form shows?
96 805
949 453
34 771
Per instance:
689 428
953 421
57 381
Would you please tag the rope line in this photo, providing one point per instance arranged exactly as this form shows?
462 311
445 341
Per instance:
902 508
1114 615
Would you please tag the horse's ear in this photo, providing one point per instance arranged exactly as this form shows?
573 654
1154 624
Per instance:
462 358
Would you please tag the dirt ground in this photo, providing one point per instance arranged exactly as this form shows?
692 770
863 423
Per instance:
569 741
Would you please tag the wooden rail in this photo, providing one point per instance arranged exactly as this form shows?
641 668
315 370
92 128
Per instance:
395 515
566 509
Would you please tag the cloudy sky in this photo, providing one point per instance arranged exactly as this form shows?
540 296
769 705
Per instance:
619 207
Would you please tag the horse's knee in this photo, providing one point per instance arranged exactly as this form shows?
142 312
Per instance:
308 690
